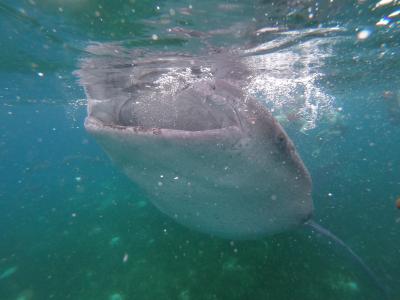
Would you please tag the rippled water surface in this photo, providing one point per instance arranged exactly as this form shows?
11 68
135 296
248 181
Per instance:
73 226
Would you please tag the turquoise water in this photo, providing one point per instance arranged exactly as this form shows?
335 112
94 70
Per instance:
73 226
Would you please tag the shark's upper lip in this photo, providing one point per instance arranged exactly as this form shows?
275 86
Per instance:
94 125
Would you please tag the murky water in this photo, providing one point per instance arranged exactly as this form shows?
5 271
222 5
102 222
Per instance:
74 227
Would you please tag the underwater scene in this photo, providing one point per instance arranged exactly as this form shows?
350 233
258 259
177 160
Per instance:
181 149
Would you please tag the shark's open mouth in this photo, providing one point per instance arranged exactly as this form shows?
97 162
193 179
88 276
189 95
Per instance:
202 107
169 92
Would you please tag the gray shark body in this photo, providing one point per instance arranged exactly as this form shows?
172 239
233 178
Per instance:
207 154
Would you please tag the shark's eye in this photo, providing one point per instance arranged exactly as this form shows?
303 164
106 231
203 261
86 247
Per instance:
280 139
281 142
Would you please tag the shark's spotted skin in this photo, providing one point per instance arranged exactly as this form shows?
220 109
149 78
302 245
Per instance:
209 156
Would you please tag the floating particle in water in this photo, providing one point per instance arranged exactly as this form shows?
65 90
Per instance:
383 22
339 282
8 272
115 241
383 3
394 14
398 203
40 74
25 295
228 7
95 230
184 295
141 204
231 264
154 37
125 258
352 286
78 179
80 188
185 11
116 296
363 34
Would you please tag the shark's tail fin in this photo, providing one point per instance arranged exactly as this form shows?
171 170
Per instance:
354 255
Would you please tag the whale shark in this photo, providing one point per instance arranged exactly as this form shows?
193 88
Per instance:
207 154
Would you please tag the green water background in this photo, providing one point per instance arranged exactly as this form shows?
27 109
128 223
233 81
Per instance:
72 226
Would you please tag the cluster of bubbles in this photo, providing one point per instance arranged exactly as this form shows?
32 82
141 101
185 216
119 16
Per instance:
289 80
